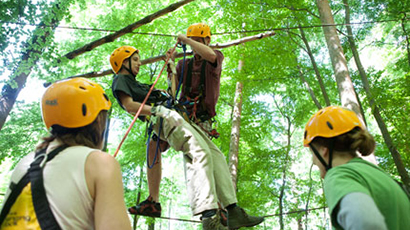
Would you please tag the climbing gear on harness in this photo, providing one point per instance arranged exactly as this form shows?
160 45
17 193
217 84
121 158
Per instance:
119 55
27 206
198 30
237 218
196 103
73 103
146 208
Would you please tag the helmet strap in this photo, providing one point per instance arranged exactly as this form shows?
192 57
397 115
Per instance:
129 69
327 166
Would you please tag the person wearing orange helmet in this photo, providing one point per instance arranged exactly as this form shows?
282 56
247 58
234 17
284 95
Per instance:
83 185
199 93
359 194
207 174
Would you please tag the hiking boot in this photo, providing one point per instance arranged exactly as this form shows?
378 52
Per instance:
237 218
212 223
146 208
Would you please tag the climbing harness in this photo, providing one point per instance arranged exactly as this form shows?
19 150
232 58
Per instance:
142 104
17 212
169 104
197 102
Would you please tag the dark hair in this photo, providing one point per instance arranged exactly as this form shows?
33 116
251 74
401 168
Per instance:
355 140
91 135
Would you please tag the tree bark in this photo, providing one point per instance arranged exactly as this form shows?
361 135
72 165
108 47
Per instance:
373 105
235 132
344 83
316 69
32 53
125 30
403 26
339 63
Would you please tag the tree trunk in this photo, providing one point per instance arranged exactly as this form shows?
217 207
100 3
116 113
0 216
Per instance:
312 94
375 109
30 56
312 59
339 63
403 26
344 83
235 133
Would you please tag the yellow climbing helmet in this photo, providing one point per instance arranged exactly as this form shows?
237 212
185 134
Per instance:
198 30
330 122
119 55
73 103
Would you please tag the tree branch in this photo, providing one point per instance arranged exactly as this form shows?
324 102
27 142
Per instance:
125 30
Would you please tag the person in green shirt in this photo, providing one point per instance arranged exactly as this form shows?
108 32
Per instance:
359 194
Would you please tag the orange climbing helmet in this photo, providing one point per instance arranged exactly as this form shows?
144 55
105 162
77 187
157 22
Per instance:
198 30
119 55
330 122
73 103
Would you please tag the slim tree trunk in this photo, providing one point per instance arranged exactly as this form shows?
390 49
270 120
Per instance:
403 26
375 109
284 164
344 83
311 93
235 133
31 54
316 69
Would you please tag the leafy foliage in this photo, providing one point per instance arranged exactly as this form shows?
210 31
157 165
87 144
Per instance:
276 104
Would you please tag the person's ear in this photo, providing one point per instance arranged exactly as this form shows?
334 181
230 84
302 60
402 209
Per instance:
325 151
207 40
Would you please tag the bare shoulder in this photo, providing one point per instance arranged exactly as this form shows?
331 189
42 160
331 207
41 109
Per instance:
102 162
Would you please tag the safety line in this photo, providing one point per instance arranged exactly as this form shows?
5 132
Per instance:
221 33
272 215
293 212
143 103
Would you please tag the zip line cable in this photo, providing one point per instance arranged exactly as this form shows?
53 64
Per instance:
143 103
221 33
266 216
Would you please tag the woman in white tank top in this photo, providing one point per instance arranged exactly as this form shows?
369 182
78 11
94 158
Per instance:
83 184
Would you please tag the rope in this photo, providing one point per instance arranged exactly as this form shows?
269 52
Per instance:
172 218
221 33
272 215
293 212
142 104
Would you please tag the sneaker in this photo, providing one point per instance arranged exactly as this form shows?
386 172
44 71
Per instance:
146 208
237 218
212 223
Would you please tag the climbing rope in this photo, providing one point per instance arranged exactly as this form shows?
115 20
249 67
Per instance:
143 103
266 216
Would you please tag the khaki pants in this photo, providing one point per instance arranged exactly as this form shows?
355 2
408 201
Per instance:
206 171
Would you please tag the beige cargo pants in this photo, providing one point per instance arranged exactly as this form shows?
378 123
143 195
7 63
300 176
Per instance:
206 171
